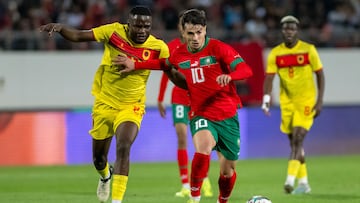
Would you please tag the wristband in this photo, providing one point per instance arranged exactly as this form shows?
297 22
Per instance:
266 98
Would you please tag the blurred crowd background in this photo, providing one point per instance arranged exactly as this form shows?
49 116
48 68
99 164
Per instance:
326 23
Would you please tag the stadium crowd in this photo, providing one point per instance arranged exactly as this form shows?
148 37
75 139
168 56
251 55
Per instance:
326 23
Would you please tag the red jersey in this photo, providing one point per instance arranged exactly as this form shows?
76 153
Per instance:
178 95
201 68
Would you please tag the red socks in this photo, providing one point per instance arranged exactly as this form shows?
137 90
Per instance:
199 169
182 158
226 185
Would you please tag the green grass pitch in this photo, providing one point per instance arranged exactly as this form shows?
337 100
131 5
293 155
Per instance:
333 179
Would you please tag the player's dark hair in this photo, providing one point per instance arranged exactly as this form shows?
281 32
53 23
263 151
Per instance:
140 10
193 16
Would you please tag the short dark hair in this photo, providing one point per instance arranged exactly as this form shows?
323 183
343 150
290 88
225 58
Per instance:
289 19
140 10
193 16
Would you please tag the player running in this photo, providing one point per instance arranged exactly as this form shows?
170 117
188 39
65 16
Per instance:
207 68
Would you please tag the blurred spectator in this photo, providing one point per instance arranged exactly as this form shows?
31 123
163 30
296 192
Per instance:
330 23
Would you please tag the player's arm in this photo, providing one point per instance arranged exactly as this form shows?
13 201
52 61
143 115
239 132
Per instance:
268 85
68 33
163 64
163 84
176 77
239 70
153 64
320 80
242 71
129 65
271 70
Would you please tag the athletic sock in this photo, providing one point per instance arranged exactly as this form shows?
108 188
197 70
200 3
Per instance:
182 157
119 187
226 185
292 171
199 169
302 175
104 173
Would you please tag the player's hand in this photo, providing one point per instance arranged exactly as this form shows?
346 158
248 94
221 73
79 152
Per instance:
124 62
266 104
51 28
162 109
317 108
223 80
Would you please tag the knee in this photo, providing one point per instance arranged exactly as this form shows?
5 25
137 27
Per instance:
99 162
228 168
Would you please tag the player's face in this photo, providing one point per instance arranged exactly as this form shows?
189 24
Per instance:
194 36
139 28
290 34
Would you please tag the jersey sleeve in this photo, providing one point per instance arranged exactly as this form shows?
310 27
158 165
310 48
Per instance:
228 55
163 84
271 67
164 50
102 33
315 60
238 68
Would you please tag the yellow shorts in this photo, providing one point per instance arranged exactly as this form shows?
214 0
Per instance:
296 115
106 119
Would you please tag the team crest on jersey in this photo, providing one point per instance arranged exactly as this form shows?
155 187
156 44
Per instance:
207 61
146 54
300 59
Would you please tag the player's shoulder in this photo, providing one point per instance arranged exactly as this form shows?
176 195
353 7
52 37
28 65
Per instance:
111 27
153 39
278 49
216 45
114 25
215 42
306 45
155 44
175 42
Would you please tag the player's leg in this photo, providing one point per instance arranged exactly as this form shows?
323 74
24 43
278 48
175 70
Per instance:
303 121
204 141
182 159
227 178
100 150
302 177
287 114
102 133
228 148
126 133
127 125
180 119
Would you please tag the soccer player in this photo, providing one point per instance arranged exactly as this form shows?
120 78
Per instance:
295 62
180 107
207 68
119 104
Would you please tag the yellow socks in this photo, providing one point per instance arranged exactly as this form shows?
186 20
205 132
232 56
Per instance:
119 187
292 171
105 173
302 174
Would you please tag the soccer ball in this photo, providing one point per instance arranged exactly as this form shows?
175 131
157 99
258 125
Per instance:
258 199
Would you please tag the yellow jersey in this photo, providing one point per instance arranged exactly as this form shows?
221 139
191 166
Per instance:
295 67
109 85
